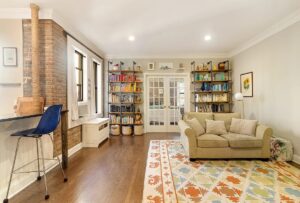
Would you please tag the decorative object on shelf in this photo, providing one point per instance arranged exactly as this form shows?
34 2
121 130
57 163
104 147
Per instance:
138 119
10 57
138 68
116 67
151 66
239 97
223 65
246 84
165 66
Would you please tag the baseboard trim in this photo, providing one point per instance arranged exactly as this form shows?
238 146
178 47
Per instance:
296 159
32 177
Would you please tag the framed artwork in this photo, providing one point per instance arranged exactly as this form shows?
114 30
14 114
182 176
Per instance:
246 80
151 66
10 56
165 66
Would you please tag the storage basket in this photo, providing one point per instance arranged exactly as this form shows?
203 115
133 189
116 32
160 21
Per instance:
138 130
115 130
126 130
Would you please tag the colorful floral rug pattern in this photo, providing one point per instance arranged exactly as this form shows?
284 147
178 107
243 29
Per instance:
171 177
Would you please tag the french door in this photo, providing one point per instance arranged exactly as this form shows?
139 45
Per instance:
166 101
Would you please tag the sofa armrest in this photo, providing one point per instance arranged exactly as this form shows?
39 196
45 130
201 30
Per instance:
188 138
186 130
264 132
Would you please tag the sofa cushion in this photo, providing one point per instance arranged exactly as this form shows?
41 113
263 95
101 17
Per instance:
242 141
243 126
226 117
196 126
200 117
211 141
215 127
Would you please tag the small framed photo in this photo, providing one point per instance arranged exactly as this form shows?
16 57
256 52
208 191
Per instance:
246 80
151 66
10 57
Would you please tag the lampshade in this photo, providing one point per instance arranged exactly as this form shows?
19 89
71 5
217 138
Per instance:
238 96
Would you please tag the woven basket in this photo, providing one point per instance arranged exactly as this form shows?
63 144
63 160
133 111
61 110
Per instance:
115 130
138 130
126 130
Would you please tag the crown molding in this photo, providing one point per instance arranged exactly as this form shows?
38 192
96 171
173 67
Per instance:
191 56
274 29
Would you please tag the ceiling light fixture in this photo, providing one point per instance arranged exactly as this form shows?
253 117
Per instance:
207 38
131 38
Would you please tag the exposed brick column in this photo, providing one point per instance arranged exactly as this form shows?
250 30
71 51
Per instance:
52 71
36 93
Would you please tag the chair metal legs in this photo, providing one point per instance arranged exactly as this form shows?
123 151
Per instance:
12 170
59 162
38 158
44 169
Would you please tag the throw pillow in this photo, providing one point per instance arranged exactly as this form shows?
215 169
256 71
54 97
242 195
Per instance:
243 126
196 126
215 127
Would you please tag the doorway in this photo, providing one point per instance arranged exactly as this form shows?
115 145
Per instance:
166 101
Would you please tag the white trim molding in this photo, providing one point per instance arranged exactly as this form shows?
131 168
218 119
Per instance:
272 30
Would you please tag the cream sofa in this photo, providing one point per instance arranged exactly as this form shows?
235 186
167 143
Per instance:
227 146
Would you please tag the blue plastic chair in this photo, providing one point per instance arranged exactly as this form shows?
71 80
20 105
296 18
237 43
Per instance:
48 123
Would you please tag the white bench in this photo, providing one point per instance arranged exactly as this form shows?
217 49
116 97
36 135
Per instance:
95 131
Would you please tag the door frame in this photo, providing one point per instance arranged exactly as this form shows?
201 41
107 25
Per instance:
145 96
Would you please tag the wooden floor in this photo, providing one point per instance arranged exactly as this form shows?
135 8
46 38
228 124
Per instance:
112 173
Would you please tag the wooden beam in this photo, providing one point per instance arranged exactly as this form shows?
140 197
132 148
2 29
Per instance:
35 50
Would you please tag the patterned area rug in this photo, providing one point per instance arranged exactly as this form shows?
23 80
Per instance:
171 177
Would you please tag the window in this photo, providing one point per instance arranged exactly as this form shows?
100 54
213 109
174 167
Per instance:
97 86
79 58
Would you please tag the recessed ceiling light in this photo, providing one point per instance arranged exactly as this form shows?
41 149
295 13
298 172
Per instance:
131 38
207 38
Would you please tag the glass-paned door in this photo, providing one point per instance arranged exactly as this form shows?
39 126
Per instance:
176 102
166 99
156 103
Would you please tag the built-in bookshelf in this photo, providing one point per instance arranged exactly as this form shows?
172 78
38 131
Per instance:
125 95
211 87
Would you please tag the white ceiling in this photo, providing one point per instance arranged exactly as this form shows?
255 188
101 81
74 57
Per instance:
167 27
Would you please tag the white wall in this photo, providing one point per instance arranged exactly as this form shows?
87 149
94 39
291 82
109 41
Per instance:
275 63
10 36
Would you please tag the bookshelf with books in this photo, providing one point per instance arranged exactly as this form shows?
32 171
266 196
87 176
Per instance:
211 87
125 96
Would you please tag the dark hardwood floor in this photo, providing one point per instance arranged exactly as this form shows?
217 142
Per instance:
112 173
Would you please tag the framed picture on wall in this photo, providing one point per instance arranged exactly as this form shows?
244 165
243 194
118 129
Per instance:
246 84
151 66
10 57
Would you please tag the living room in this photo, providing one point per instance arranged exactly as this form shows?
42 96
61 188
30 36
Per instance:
136 101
